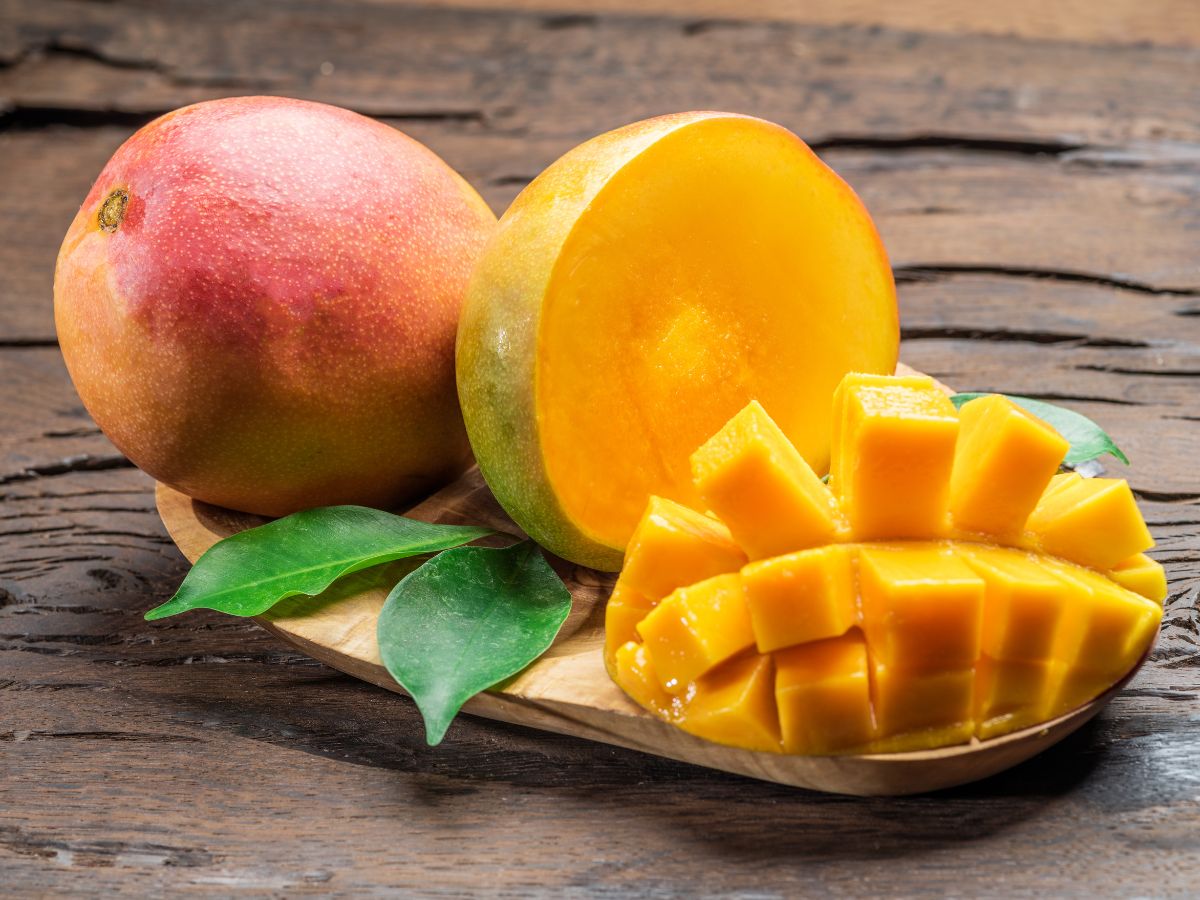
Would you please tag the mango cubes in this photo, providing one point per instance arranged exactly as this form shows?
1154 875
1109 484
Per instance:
945 585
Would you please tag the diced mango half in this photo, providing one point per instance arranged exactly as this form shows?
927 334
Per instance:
1003 461
695 629
801 597
749 474
946 586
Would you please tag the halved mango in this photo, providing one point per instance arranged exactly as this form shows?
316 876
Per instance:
899 635
639 293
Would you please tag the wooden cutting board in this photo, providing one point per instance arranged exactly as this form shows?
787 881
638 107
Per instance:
568 690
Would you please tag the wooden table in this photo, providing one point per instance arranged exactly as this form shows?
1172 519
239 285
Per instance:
1036 175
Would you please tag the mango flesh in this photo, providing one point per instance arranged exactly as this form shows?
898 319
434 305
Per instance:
887 635
258 303
639 293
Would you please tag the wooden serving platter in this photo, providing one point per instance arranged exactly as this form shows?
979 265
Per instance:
568 690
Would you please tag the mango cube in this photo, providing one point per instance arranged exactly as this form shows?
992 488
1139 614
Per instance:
1142 575
1106 628
636 676
1003 461
799 597
922 607
1010 695
893 451
674 546
756 481
625 608
735 704
1094 522
1060 482
937 705
1073 687
1023 603
823 693
695 629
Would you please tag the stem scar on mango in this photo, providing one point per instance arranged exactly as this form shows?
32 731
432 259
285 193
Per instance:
112 210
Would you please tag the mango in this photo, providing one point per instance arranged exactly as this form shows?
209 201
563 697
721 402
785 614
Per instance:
881 633
642 290
258 303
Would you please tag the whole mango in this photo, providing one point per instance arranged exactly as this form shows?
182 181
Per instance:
257 303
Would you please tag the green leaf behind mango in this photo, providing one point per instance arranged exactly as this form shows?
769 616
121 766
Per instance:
249 572
1087 439
465 620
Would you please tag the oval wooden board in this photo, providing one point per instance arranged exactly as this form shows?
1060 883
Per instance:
568 690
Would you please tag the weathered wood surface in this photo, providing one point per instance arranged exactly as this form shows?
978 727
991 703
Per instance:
1040 201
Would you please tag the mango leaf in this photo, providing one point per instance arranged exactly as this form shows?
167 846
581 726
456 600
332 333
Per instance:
1088 440
465 620
249 572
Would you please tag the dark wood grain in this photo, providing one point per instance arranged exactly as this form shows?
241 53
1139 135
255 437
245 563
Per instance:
1040 202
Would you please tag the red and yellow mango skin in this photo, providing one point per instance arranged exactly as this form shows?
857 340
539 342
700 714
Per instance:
257 303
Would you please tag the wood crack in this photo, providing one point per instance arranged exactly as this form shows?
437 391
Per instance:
83 462
102 853
928 272
946 332
1017 146
1157 373
26 343
141 737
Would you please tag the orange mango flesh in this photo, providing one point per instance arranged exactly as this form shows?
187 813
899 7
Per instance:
801 597
823 693
639 293
894 441
1002 462
1142 575
749 472
888 635
696 628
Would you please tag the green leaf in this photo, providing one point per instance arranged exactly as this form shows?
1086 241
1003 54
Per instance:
1088 440
466 620
249 572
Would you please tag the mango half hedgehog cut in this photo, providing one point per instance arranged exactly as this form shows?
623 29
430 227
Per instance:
946 584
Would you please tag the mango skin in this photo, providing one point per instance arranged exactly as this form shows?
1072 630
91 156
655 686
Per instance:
271 324
497 348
